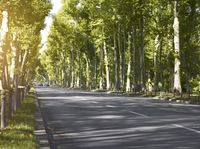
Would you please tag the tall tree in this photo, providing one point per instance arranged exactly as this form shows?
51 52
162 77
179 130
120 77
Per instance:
177 63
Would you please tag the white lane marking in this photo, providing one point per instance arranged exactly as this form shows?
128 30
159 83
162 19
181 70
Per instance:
110 106
139 114
186 128
183 105
176 125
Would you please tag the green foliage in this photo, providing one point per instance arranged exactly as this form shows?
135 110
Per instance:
86 25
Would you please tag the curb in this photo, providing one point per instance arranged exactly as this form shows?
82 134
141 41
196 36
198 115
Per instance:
40 132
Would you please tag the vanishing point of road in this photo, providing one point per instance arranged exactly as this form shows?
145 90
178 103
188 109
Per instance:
90 120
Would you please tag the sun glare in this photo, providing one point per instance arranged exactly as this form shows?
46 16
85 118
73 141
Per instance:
57 4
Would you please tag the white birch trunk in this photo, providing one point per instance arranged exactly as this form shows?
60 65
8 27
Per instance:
177 80
3 34
128 80
107 67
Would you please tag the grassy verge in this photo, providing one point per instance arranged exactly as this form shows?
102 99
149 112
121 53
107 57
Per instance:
192 98
19 133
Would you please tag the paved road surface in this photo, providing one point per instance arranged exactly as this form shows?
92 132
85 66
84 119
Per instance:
85 120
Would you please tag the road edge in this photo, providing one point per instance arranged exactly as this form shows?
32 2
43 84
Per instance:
40 131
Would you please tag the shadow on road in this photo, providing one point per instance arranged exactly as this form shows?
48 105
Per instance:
82 120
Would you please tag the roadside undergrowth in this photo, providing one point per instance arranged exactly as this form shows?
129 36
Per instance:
19 133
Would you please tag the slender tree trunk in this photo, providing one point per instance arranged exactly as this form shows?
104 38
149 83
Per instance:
135 60
161 79
119 57
128 79
157 44
170 69
11 104
65 76
87 72
95 69
79 69
16 92
72 69
116 60
177 79
124 61
106 66
3 58
101 68
12 74
3 39
142 60
3 109
62 76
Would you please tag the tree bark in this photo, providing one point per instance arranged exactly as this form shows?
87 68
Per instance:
157 44
124 61
101 68
72 68
79 72
161 79
116 60
106 66
135 60
177 79
95 69
87 72
142 60
13 71
11 104
128 79
3 109
3 39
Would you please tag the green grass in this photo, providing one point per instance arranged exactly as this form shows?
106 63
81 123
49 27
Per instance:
19 133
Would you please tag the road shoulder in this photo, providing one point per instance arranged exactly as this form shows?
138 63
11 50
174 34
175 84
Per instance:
40 131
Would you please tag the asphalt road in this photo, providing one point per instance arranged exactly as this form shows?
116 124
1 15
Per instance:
90 120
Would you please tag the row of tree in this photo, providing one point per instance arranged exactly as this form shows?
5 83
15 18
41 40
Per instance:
21 23
128 45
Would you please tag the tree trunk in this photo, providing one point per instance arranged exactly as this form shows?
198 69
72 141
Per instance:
128 79
16 92
119 56
3 109
106 66
161 79
72 69
101 68
87 72
124 61
95 70
135 60
65 76
11 104
12 74
79 72
3 38
116 60
157 44
177 79
142 60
